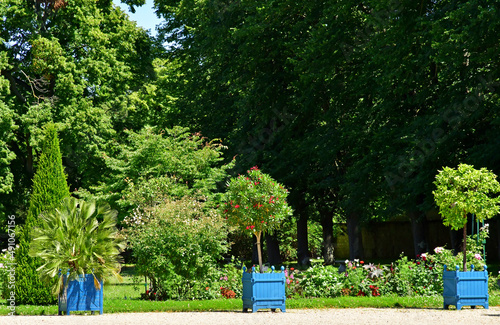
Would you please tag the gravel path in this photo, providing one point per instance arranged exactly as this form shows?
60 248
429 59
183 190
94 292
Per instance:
292 317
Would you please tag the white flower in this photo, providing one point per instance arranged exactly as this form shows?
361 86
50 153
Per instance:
438 250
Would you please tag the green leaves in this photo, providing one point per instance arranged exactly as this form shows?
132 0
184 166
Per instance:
255 203
174 242
155 164
70 237
463 191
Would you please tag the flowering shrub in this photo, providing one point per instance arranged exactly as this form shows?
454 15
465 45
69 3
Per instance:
405 277
362 279
255 203
292 288
177 245
414 277
320 281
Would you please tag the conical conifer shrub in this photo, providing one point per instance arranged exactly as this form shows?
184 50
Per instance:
49 188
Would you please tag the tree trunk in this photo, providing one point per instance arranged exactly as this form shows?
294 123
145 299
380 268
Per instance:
273 250
464 245
497 224
258 236
302 243
328 248
418 229
355 238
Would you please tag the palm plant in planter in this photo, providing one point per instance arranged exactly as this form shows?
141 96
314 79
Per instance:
460 192
80 240
255 203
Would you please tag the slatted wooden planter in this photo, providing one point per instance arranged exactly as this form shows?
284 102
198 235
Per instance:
264 290
81 295
465 288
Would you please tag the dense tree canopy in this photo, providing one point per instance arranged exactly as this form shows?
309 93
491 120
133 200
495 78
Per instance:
69 62
353 106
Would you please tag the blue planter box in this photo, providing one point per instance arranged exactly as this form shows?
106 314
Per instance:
81 295
465 288
264 290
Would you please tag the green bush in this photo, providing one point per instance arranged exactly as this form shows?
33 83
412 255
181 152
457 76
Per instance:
320 281
177 245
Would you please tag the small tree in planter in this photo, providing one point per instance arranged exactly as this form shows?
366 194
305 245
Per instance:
464 191
460 192
255 203
80 240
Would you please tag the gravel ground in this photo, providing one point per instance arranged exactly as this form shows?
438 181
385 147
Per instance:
292 316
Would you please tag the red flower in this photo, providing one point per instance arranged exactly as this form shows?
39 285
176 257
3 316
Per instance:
237 206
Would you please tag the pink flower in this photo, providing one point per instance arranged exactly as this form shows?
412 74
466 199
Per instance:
477 257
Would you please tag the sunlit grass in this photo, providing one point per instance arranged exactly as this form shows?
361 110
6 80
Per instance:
123 297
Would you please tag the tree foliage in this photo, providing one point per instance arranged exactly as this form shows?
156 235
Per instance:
255 203
353 105
72 63
464 190
49 188
152 165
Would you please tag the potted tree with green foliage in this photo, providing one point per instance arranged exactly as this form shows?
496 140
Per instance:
460 192
79 243
255 203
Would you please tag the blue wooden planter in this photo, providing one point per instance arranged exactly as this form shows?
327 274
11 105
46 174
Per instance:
465 288
81 295
264 290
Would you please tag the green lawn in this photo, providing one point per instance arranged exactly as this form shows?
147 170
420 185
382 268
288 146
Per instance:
124 297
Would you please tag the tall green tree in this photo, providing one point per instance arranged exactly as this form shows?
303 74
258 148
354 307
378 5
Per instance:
73 63
152 165
7 126
49 188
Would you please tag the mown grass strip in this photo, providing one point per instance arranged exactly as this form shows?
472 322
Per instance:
145 306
